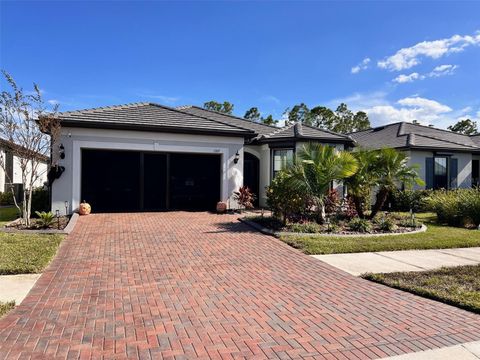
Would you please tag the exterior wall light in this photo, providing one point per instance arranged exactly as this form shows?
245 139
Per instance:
236 158
62 151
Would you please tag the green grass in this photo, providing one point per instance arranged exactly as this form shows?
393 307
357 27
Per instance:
6 307
436 237
458 286
8 214
26 253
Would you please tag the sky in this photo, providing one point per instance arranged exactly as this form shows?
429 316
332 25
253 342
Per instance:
398 61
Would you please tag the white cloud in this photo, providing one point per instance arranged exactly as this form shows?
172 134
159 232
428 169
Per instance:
407 78
425 111
362 66
407 58
438 71
443 70
358 101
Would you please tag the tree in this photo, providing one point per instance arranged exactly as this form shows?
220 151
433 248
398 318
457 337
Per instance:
316 167
392 169
299 113
224 107
346 121
253 114
466 126
322 117
25 120
269 120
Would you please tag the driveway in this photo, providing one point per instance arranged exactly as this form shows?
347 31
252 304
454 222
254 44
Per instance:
197 285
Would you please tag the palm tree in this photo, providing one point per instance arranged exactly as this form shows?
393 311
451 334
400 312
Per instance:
316 167
360 185
393 170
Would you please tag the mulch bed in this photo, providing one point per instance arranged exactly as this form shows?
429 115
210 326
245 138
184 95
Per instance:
58 224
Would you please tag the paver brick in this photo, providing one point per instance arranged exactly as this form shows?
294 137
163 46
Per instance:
183 285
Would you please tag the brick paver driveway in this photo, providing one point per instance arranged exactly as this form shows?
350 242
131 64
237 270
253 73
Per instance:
190 285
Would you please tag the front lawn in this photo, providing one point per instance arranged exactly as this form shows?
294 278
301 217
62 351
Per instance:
26 253
436 237
458 286
6 307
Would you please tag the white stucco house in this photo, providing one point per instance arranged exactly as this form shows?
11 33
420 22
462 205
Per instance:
11 173
150 157
446 159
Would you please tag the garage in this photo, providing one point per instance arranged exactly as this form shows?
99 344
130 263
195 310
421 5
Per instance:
122 181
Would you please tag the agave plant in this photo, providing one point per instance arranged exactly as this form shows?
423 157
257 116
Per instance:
314 169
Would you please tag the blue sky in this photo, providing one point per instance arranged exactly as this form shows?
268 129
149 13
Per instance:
395 60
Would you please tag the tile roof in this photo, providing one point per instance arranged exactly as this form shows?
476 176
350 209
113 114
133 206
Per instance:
408 135
303 131
149 116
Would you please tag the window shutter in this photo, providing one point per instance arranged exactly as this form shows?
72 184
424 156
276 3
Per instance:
429 173
453 173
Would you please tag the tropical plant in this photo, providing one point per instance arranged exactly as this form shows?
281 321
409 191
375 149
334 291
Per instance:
360 185
360 225
315 168
393 170
45 219
244 197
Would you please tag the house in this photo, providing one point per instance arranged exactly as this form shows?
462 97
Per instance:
150 157
11 172
446 159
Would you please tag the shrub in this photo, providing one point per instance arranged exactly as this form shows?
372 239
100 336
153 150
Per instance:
244 197
404 200
307 227
332 201
386 223
360 225
456 207
45 219
284 200
40 200
6 198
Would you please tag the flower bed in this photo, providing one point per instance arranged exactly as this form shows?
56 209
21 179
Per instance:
59 223
383 224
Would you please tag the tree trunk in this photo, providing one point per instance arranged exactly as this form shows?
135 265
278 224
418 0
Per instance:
357 201
381 198
320 211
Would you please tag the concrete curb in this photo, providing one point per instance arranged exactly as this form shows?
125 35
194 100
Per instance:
67 230
277 234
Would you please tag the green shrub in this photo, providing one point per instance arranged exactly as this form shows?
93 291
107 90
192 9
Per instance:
360 225
386 223
404 200
6 198
307 227
456 207
283 199
40 200
45 219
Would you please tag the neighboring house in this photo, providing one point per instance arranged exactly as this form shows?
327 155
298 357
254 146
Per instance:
13 173
446 159
145 157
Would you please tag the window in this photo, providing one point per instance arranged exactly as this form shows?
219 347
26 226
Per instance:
281 158
440 173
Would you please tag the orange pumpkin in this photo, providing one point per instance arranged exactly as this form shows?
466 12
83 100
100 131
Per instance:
221 207
84 208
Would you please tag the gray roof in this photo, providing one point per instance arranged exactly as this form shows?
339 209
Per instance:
300 131
149 116
258 128
191 119
408 135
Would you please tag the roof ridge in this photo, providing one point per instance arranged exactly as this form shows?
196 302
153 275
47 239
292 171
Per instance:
279 130
225 114
326 130
435 128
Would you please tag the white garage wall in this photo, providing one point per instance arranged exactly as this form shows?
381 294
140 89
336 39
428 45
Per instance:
2 171
68 188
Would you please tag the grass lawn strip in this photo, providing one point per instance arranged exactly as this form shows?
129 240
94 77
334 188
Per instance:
436 237
6 307
26 253
8 214
458 286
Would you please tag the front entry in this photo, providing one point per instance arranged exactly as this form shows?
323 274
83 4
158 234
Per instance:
120 181
251 174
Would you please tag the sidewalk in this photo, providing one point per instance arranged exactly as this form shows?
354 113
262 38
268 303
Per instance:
409 260
16 287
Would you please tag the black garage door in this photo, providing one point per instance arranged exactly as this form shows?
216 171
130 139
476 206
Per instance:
117 181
